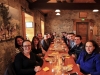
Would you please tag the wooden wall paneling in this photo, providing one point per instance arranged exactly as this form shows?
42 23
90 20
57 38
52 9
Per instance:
23 24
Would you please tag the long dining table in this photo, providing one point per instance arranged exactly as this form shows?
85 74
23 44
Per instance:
55 52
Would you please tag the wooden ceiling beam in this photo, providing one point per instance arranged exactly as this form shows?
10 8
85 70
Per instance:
65 6
97 1
37 1
42 1
29 1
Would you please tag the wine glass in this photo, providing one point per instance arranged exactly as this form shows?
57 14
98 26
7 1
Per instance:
65 49
50 62
54 71
62 70
63 60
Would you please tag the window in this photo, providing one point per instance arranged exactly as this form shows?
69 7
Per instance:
29 24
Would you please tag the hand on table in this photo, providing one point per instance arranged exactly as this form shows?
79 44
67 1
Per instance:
79 69
74 56
37 68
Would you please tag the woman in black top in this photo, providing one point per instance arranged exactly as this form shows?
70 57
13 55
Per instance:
26 62
18 43
36 47
18 46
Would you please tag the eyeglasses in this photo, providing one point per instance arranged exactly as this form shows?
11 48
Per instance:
26 45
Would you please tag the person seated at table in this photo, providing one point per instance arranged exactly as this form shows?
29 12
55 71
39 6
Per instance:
71 40
75 51
49 38
36 47
18 43
64 36
26 62
67 38
45 43
89 59
39 35
54 35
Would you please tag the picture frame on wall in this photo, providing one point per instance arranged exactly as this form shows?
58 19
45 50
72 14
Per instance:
9 28
83 14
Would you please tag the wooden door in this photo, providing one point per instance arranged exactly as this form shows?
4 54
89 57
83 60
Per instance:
82 29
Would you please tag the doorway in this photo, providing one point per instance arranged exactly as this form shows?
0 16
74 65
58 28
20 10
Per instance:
42 27
82 29
29 25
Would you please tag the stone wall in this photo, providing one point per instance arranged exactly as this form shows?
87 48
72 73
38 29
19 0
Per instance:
54 23
7 48
37 19
64 22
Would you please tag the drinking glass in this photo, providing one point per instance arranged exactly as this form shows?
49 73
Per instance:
62 70
54 71
50 63
63 60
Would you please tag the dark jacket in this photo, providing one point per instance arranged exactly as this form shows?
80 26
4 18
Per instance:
90 65
10 70
76 49
37 51
49 41
45 44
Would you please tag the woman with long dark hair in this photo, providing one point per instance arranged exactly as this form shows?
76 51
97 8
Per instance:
36 47
89 59
18 43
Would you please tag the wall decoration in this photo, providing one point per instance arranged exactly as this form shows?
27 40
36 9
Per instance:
83 14
9 23
95 30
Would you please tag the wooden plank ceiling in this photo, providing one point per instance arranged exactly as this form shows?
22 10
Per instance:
47 5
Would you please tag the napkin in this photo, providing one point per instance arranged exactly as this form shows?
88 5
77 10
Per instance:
45 69
70 65
67 57
55 53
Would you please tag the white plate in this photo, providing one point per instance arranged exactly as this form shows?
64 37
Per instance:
48 59
67 68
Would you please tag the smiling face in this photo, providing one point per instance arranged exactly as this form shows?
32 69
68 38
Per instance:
40 36
77 40
36 41
27 47
19 41
49 36
72 37
89 47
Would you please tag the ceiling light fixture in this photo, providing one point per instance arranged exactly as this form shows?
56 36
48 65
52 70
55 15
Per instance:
95 10
57 10
57 13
